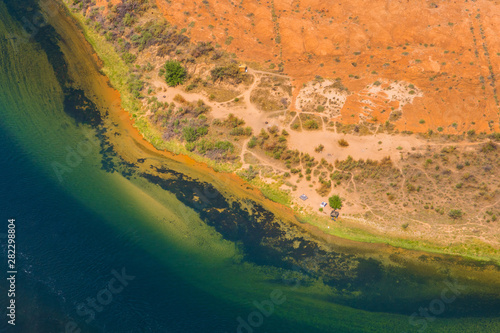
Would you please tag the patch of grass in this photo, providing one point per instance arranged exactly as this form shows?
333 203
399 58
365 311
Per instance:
273 192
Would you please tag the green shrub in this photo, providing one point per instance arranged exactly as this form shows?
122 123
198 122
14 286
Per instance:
240 131
252 143
128 57
202 131
135 85
489 147
225 145
175 74
189 134
455 213
335 202
311 124
494 136
128 20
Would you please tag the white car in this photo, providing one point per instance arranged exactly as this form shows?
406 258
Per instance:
323 204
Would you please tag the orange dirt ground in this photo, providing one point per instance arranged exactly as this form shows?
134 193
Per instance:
449 50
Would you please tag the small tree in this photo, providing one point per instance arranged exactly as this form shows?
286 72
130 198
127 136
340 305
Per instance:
335 202
175 74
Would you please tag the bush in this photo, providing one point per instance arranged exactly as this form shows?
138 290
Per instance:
128 57
128 20
202 48
494 136
319 148
175 74
230 71
455 214
241 131
343 143
250 173
252 143
135 85
488 147
189 134
225 145
202 131
311 124
335 202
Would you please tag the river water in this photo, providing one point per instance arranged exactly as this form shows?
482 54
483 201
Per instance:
114 237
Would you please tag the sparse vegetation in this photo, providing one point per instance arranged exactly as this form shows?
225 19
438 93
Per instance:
464 176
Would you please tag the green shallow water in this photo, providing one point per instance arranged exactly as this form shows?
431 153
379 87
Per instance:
77 224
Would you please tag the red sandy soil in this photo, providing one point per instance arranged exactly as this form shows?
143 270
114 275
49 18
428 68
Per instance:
449 50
